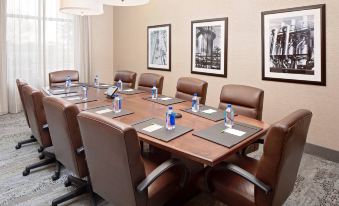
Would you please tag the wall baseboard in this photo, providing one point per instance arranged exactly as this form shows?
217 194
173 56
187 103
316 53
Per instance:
325 153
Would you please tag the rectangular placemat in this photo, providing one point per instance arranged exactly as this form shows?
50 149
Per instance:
108 112
207 112
164 100
131 91
78 99
56 91
228 137
145 127
103 86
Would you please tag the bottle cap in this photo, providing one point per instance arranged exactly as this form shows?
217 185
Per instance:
170 107
229 105
195 94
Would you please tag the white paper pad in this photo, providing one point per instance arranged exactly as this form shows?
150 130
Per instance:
73 98
128 90
103 111
152 128
58 90
104 85
234 132
165 98
209 111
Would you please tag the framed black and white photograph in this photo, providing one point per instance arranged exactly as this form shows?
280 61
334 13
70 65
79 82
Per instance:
159 47
293 47
209 47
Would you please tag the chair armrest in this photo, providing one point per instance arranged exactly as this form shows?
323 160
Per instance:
80 150
239 171
165 166
45 126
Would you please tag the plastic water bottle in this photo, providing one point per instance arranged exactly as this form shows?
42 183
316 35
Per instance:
154 91
117 104
120 85
96 81
170 119
229 116
84 92
68 84
195 103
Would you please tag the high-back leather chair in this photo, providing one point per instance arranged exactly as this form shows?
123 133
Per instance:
147 81
128 78
66 137
123 176
20 84
270 180
187 86
245 100
58 78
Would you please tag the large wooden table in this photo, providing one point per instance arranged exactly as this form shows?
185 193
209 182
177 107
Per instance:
188 145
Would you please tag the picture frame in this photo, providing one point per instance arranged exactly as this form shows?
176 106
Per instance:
209 40
159 47
294 45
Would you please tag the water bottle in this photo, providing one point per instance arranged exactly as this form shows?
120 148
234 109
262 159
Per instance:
117 105
96 81
170 119
154 91
195 103
229 116
84 92
68 83
120 85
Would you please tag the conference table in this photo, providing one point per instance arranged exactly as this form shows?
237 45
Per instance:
188 145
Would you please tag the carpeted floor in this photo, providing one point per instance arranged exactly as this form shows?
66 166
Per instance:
317 182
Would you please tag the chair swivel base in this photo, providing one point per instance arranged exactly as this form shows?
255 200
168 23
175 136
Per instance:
49 160
28 141
56 175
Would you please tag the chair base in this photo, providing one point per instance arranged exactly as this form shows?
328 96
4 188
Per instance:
56 175
28 141
82 188
41 149
49 160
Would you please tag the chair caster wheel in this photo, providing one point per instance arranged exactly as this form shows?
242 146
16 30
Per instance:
56 176
40 149
18 146
67 183
26 172
42 156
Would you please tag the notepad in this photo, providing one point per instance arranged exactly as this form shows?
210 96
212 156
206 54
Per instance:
73 98
165 98
209 111
152 128
128 90
234 132
104 111
105 85
58 90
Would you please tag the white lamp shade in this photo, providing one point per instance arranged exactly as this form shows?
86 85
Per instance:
126 2
81 7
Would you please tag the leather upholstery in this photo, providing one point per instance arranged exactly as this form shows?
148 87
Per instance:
58 78
245 100
187 86
20 84
278 166
36 114
121 167
147 80
65 134
128 78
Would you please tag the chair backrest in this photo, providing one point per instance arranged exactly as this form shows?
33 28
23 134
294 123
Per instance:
127 77
20 84
147 80
245 100
114 159
279 164
58 78
187 86
36 114
65 133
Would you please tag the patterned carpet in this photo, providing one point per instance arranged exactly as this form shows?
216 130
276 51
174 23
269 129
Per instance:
317 182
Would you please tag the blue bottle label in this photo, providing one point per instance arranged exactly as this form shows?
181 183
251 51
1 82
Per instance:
194 102
172 119
119 104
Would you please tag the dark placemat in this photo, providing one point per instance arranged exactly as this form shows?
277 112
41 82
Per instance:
217 135
56 91
162 133
109 112
78 100
131 91
165 102
215 116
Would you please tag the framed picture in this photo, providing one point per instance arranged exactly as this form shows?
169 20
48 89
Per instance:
293 45
209 47
159 47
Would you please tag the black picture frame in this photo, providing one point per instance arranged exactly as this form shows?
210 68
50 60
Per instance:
322 49
150 67
225 52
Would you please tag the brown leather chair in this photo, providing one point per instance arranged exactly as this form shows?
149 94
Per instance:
38 123
270 180
187 86
58 78
147 80
21 83
66 137
128 78
123 176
